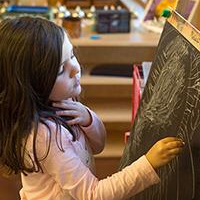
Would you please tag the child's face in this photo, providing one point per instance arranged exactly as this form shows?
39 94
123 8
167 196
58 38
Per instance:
67 84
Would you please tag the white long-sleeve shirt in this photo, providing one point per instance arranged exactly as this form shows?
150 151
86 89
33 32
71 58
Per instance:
70 174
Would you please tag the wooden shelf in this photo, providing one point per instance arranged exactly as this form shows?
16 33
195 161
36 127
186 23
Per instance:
112 150
116 113
110 98
127 48
114 145
108 87
105 80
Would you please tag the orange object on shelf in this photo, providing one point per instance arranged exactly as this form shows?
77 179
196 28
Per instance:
163 5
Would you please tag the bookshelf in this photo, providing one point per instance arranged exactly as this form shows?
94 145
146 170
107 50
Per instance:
88 3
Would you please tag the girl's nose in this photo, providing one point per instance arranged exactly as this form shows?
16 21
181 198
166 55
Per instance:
76 69
79 74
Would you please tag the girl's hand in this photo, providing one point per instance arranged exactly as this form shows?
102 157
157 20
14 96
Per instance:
76 110
164 151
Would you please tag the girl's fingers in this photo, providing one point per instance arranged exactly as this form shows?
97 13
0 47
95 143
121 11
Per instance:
69 106
72 113
175 144
66 101
174 152
171 139
74 121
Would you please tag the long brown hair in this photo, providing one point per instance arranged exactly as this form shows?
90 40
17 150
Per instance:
30 56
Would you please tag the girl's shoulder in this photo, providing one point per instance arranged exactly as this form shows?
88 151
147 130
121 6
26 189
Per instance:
48 133
50 129
48 140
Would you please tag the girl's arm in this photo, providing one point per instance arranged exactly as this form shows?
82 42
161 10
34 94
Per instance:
72 175
89 122
95 133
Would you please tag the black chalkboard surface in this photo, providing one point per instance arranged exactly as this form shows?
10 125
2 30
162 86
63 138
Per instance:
170 106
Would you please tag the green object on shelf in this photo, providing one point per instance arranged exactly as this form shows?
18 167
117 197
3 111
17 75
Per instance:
166 13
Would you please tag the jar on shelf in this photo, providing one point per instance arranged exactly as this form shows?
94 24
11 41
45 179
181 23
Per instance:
72 23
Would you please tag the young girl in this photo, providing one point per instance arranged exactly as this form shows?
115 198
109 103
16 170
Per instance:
54 156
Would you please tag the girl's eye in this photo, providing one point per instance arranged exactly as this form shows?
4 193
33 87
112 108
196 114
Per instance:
61 71
73 56
62 68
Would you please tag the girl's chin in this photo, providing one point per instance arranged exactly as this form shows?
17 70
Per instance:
77 91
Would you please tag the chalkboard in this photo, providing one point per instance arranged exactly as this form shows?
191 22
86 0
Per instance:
170 106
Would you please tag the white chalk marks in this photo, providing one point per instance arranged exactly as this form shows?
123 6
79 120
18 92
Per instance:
170 106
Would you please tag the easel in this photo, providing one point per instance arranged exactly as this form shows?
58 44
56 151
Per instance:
181 8
185 28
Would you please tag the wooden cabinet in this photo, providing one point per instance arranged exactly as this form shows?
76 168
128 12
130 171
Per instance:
110 98
88 3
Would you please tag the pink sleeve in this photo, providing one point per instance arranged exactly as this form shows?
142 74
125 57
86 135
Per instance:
96 133
72 175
